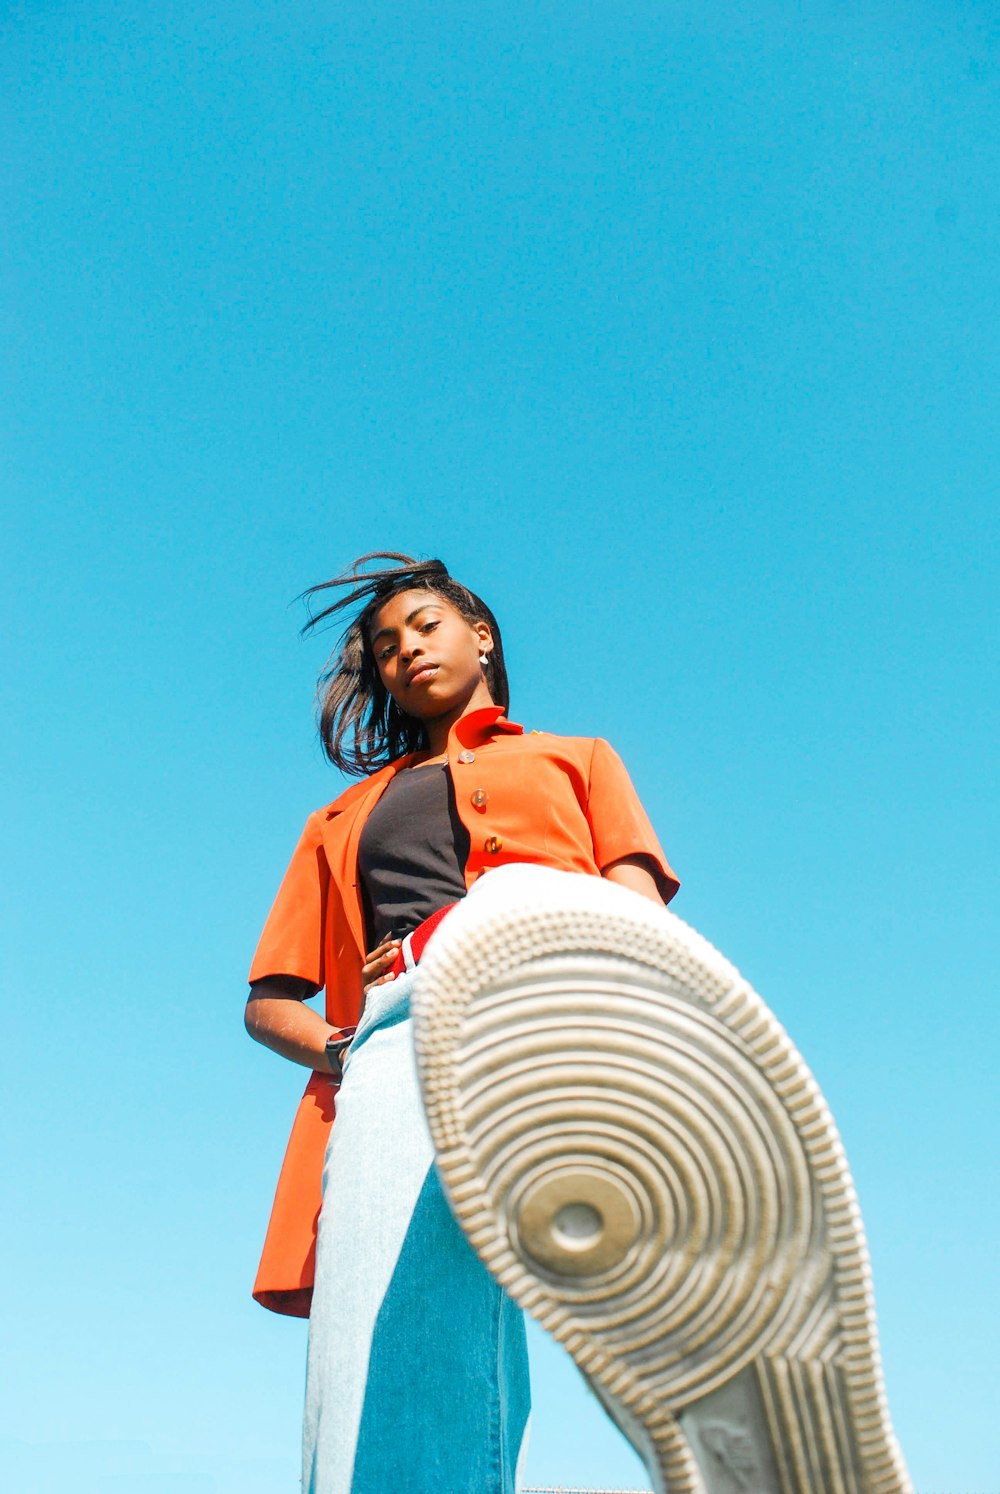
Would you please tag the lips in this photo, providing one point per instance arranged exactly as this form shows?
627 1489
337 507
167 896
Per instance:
421 675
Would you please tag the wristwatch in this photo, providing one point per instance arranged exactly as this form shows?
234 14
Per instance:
336 1046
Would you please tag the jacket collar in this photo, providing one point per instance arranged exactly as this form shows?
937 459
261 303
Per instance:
478 726
470 731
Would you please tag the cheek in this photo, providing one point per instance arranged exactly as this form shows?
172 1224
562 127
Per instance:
384 672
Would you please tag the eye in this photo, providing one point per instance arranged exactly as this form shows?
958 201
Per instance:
384 653
428 627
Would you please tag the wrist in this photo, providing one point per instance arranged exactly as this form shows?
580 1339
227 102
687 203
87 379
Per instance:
335 1048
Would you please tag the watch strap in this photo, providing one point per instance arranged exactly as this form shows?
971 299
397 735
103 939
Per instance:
336 1046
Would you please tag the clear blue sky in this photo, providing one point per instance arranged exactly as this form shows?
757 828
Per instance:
673 330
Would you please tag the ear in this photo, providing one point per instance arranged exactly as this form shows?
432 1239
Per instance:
485 636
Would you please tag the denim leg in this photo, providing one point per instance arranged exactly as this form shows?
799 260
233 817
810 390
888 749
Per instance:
417 1369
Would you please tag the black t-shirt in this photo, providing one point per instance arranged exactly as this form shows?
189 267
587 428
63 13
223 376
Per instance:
412 852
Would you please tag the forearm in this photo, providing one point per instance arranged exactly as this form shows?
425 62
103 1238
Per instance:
289 1027
633 872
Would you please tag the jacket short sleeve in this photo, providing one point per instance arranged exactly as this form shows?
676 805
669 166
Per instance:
618 823
292 941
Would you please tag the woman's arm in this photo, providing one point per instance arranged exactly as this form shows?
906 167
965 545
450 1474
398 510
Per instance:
633 872
625 845
277 1016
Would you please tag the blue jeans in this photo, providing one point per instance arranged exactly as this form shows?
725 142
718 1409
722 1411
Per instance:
417 1373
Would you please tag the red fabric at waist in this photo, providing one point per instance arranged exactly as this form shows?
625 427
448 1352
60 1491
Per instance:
414 944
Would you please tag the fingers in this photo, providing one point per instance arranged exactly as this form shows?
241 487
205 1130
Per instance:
390 939
383 958
377 968
389 944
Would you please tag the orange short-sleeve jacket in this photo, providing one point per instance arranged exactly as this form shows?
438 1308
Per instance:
565 802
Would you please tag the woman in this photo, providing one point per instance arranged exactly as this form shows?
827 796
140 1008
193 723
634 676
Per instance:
417 1375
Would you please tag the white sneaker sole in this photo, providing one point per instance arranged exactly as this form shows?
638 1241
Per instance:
638 1153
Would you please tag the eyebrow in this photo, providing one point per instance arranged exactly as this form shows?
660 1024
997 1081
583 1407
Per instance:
391 632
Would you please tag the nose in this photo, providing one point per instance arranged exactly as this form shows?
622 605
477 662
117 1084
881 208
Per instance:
409 649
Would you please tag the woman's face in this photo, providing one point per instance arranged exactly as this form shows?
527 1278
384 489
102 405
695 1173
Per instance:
427 655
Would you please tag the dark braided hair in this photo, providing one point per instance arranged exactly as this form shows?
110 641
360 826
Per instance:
360 726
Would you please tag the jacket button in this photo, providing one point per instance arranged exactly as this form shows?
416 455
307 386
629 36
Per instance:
479 799
465 756
493 844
